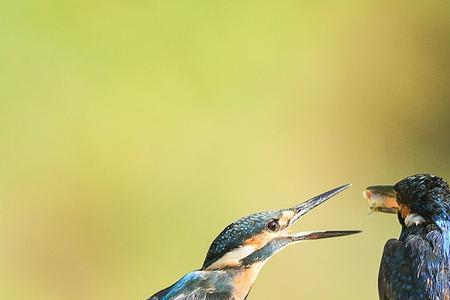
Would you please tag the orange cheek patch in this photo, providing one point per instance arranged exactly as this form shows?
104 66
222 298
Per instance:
258 241
404 211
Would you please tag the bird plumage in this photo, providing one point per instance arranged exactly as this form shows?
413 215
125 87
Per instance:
236 256
416 266
199 285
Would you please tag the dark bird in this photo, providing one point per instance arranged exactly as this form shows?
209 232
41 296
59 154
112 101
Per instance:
237 255
415 266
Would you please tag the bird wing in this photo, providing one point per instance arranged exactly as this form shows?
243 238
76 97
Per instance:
395 278
197 285
220 296
430 262
195 294
414 269
187 288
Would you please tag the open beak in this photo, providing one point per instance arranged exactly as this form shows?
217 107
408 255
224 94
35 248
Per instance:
382 198
307 206
315 235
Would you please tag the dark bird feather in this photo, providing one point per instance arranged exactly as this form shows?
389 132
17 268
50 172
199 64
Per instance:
416 266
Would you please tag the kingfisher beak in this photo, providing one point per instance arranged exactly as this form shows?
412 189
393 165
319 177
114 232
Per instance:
315 235
307 206
382 198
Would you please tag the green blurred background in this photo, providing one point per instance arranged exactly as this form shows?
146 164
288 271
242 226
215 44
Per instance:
132 133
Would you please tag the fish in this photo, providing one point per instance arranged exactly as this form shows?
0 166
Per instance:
382 198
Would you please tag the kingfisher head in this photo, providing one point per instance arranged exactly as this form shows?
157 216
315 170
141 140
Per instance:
417 199
255 238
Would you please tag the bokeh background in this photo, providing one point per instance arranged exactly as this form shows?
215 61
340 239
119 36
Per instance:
133 132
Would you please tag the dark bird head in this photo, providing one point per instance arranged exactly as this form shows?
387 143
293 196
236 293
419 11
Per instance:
417 199
257 237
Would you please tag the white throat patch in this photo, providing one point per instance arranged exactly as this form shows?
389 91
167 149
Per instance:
414 219
232 258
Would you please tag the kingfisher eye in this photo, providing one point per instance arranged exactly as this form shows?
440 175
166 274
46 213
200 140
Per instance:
273 225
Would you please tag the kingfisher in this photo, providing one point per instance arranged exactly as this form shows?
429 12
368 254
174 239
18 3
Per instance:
238 253
415 266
